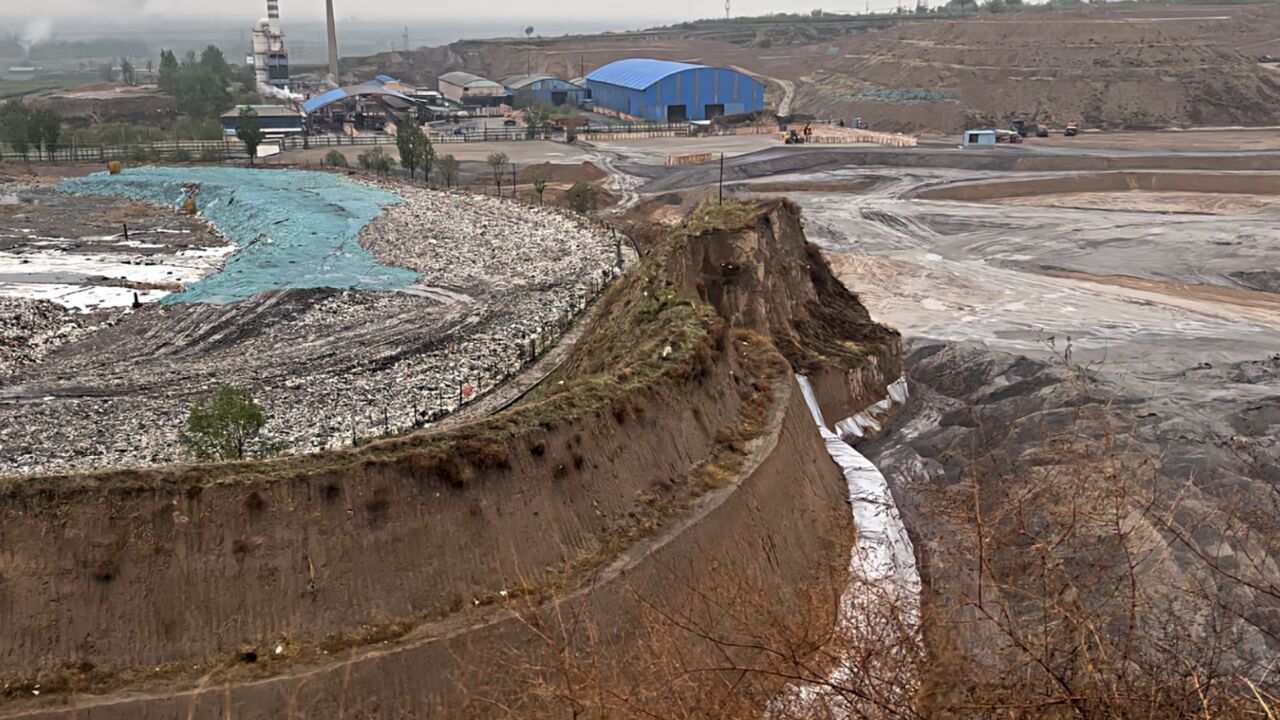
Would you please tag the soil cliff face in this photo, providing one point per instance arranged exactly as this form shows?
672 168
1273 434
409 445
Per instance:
668 459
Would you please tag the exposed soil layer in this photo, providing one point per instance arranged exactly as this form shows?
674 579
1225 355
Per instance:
669 455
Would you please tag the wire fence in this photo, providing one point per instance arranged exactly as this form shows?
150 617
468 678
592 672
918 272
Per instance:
171 150
217 151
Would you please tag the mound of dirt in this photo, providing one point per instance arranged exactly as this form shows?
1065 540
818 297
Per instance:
562 173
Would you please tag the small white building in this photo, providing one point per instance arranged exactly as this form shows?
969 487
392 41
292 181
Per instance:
467 89
978 138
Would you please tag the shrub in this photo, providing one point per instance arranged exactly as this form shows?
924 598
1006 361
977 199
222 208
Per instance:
182 155
375 160
335 158
226 426
581 197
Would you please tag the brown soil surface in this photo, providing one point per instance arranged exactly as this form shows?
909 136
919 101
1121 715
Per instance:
1180 202
1251 304
1208 140
561 173
1034 190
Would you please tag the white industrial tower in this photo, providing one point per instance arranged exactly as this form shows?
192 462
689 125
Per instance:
270 58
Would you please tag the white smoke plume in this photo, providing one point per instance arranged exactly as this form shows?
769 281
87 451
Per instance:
281 93
37 31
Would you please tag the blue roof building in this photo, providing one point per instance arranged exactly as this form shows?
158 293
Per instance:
667 91
383 87
546 88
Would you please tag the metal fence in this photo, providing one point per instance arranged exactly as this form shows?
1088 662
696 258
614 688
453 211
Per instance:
232 149
173 150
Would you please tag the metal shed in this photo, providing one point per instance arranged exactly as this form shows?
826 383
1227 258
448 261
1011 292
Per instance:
547 88
979 138
465 88
667 91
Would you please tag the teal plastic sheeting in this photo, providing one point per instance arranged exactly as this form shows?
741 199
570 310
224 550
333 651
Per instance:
293 229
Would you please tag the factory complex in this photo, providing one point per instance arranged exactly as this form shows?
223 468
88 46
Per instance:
635 90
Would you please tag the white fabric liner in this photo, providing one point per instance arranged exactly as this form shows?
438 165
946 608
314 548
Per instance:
881 604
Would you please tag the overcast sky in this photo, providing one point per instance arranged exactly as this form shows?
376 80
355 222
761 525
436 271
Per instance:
488 12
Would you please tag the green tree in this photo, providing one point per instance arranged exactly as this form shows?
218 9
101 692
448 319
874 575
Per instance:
226 426
408 139
15 119
335 158
536 115
108 71
213 61
448 167
127 73
539 182
169 68
497 161
249 131
198 86
50 124
581 197
426 152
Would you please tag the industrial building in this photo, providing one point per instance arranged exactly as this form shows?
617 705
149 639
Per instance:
666 91
549 89
363 107
277 120
473 90
269 58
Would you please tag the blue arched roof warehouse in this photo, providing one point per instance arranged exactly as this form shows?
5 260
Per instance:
667 91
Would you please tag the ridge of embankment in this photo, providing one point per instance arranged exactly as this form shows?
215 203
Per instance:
668 460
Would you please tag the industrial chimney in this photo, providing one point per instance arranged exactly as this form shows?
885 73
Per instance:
333 41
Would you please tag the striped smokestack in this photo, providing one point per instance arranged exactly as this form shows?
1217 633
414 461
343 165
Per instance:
273 9
333 41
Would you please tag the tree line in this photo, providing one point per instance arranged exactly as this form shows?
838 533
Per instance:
199 85
28 129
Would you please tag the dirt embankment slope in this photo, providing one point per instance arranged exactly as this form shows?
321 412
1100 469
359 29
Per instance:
1152 67
666 461
1053 68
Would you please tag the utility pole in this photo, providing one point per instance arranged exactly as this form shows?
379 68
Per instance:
726 9
721 178
406 38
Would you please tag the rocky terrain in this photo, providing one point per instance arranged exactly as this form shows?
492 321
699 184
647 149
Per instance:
499 281
1046 497
31 329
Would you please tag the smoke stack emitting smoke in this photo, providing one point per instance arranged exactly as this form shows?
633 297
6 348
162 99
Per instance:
333 41
38 30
